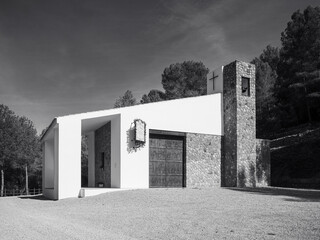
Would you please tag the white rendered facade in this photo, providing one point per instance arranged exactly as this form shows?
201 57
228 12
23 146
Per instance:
129 169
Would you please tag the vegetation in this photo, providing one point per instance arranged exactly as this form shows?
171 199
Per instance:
298 83
153 96
20 151
126 100
179 80
185 79
266 75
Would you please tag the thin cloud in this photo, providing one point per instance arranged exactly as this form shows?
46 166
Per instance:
61 57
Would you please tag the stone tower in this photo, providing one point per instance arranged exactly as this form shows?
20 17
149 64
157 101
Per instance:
239 162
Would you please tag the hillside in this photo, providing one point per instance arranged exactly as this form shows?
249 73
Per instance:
295 157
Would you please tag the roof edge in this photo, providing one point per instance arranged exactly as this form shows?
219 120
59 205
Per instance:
54 121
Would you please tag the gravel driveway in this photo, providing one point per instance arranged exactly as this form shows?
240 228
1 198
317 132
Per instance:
217 213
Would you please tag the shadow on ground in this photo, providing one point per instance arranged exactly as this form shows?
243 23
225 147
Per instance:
295 195
36 197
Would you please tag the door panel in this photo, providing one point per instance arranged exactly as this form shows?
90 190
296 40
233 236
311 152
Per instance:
166 161
173 181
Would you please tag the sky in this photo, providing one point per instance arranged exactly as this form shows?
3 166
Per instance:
60 57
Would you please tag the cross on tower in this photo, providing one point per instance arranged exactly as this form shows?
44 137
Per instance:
213 77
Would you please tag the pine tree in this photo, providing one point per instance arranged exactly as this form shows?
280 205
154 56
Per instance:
126 100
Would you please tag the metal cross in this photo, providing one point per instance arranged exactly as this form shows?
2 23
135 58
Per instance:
213 77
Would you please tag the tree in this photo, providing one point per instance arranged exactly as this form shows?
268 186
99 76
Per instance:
266 67
153 96
28 147
266 75
185 79
19 147
126 100
7 143
271 56
298 85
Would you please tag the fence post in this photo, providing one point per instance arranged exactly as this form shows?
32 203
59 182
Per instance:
27 183
2 182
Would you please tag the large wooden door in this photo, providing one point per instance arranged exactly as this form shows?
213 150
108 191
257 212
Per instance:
166 161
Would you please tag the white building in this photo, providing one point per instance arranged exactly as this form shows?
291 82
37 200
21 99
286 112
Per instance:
200 141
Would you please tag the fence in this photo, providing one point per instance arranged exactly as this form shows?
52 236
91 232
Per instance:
19 192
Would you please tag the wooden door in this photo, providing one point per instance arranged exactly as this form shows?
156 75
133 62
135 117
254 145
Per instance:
166 161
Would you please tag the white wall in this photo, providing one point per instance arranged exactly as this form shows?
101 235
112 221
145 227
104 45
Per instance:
198 115
115 152
69 157
129 168
56 163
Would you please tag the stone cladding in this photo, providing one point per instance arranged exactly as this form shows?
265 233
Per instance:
239 164
203 158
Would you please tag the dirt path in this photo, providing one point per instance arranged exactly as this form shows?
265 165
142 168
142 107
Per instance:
166 214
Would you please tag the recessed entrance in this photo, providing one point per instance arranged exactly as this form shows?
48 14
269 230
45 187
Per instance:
166 161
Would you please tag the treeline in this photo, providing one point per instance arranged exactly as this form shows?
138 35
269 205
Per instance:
20 152
287 78
179 80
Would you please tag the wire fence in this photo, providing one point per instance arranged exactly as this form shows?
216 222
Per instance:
20 192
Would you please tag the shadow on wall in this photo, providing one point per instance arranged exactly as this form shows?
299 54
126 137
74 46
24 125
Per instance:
130 140
292 195
247 177
131 145
263 162
222 163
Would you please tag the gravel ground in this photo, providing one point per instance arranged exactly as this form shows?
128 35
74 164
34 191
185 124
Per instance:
217 213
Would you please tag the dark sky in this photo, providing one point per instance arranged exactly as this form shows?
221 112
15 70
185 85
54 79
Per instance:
64 57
